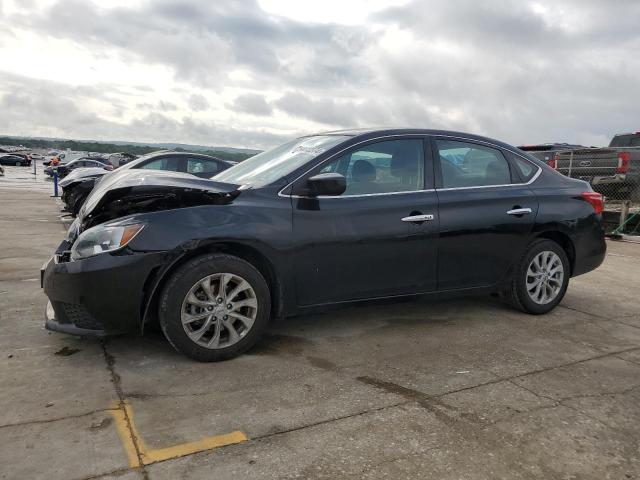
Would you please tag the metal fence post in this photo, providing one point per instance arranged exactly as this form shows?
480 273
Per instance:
570 163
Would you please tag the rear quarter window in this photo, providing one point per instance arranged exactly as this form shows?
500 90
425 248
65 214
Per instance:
525 169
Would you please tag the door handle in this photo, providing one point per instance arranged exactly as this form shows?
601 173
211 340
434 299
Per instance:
418 218
519 211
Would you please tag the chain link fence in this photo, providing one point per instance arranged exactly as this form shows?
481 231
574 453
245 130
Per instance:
612 172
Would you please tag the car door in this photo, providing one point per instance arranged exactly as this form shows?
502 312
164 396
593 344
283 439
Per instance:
486 208
376 239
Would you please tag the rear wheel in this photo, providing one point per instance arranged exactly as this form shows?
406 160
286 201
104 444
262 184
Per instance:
541 278
214 307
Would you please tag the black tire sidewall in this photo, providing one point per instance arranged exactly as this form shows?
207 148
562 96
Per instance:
520 287
175 290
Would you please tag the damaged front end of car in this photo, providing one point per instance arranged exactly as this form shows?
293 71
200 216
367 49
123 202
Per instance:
102 260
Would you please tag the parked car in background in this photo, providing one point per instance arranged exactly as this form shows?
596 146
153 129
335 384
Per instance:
79 184
613 171
546 151
325 219
17 159
65 168
120 159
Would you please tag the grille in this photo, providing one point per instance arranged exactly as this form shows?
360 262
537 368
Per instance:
80 317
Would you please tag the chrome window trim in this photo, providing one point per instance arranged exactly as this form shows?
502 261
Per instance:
424 136
362 194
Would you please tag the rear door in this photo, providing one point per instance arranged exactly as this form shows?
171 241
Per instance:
486 208
363 243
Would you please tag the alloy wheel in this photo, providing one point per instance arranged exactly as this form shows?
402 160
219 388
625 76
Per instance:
545 277
219 310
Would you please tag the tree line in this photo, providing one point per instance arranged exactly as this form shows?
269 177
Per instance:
110 147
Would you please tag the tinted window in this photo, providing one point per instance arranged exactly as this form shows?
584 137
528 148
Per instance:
383 167
621 141
202 165
163 163
471 165
635 141
526 170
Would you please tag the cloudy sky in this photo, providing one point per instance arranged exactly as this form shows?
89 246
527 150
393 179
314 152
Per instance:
252 73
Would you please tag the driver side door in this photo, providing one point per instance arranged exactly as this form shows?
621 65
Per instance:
362 244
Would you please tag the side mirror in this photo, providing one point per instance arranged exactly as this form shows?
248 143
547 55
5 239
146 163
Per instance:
327 184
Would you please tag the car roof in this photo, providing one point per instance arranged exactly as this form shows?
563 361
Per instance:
364 133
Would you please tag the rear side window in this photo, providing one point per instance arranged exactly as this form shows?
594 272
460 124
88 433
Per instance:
525 170
202 165
465 164
164 163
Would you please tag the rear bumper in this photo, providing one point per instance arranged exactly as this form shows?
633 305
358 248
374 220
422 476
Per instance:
590 247
97 296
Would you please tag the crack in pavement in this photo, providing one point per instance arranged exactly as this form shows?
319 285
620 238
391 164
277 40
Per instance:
57 419
115 378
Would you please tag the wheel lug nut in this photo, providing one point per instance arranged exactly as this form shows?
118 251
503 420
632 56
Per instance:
226 317
219 300
229 306
209 308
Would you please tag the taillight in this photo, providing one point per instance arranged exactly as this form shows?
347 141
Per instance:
624 158
596 201
553 163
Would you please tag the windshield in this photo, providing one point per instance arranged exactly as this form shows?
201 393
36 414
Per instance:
269 166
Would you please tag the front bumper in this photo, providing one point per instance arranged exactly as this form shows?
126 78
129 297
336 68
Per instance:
100 295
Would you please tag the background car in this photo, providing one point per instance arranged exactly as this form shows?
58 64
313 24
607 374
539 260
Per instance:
327 219
16 159
65 168
77 185
547 151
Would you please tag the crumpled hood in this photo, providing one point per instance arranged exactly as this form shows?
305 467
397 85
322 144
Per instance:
82 174
135 191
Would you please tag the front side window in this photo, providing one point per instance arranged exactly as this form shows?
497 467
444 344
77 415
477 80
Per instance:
465 164
383 167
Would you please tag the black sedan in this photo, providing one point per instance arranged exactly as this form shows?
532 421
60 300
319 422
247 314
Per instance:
19 160
332 218
77 185
65 169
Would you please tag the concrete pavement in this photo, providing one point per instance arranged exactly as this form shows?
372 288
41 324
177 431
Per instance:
458 389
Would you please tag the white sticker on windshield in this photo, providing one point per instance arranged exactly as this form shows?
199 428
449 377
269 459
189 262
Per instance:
311 150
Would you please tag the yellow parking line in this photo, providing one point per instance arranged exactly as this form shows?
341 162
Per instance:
125 425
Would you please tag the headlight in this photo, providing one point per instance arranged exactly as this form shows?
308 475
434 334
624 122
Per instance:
104 238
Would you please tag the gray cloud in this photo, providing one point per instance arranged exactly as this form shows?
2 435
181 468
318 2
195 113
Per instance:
197 102
252 103
562 70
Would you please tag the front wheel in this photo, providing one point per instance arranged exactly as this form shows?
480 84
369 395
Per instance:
541 278
214 307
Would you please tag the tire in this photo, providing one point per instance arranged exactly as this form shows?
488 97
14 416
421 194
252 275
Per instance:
184 297
527 297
